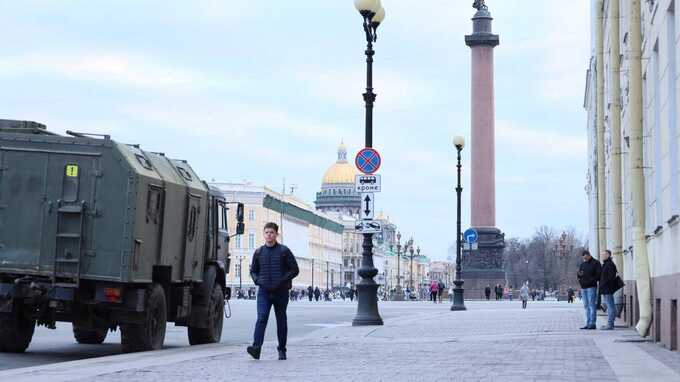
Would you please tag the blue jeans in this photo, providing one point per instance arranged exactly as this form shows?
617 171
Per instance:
590 304
608 299
265 301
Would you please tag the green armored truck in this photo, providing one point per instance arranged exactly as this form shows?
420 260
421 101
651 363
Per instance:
106 235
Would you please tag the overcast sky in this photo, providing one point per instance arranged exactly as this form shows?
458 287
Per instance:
263 90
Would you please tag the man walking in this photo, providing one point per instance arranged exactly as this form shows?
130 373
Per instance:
487 292
588 276
608 287
273 270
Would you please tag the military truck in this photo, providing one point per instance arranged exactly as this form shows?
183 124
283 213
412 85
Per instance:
106 235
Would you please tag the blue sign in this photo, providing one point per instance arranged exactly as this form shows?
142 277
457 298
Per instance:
368 161
471 236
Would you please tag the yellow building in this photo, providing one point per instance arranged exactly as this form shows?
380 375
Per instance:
314 237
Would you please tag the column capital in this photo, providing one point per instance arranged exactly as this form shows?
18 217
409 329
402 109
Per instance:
482 39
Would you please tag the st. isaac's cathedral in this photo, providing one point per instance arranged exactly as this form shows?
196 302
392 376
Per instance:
337 193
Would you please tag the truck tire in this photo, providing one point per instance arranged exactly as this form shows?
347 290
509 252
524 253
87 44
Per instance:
89 336
16 333
213 333
150 334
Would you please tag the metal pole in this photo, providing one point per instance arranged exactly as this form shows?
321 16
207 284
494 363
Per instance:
399 293
458 297
312 273
367 288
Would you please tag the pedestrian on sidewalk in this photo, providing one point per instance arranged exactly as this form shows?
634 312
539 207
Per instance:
273 270
588 276
317 294
434 288
442 288
570 295
310 293
524 294
487 292
608 285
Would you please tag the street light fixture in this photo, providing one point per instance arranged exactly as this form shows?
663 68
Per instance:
399 293
411 276
458 297
367 289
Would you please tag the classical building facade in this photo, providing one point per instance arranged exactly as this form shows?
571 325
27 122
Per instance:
313 236
634 169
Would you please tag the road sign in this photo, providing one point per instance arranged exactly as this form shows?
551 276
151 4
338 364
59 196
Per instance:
368 226
471 236
367 183
368 161
470 246
367 204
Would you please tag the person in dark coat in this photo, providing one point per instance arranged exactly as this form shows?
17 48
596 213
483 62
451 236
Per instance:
273 270
588 276
317 294
608 287
487 292
310 293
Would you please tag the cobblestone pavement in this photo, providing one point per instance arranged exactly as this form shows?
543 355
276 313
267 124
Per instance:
492 341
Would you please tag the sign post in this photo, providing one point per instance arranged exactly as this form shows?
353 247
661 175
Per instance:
368 162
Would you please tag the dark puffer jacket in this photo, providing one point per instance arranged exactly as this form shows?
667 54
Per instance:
274 268
589 273
607 276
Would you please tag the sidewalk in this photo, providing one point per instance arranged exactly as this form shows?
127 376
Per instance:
492 341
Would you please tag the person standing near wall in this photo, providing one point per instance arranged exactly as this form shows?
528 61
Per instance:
588 277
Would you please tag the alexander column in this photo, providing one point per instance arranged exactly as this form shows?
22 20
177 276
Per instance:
484 266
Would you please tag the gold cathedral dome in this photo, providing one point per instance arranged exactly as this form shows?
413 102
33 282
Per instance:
340 172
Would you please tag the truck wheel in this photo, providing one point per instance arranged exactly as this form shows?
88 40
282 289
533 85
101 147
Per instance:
213 333
150 334
16 333
89 336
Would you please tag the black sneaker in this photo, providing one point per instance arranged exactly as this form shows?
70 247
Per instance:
593 327
282 355
585 327
254 351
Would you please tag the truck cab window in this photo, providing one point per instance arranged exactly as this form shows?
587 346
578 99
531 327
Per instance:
221 216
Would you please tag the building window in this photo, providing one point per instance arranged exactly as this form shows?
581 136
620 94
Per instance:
251 214
237 242
251 240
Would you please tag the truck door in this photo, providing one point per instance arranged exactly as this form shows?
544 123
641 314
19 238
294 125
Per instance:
70 193
222 247
22 208
191 245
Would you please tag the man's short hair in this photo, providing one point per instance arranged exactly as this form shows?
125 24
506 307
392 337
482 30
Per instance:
608 252
273 226
585 252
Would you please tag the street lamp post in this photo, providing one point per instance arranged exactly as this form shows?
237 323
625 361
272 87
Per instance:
410 277
458 297
240 272
367 309
399 293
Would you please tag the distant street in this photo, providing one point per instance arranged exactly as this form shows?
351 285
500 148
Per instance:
50 346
